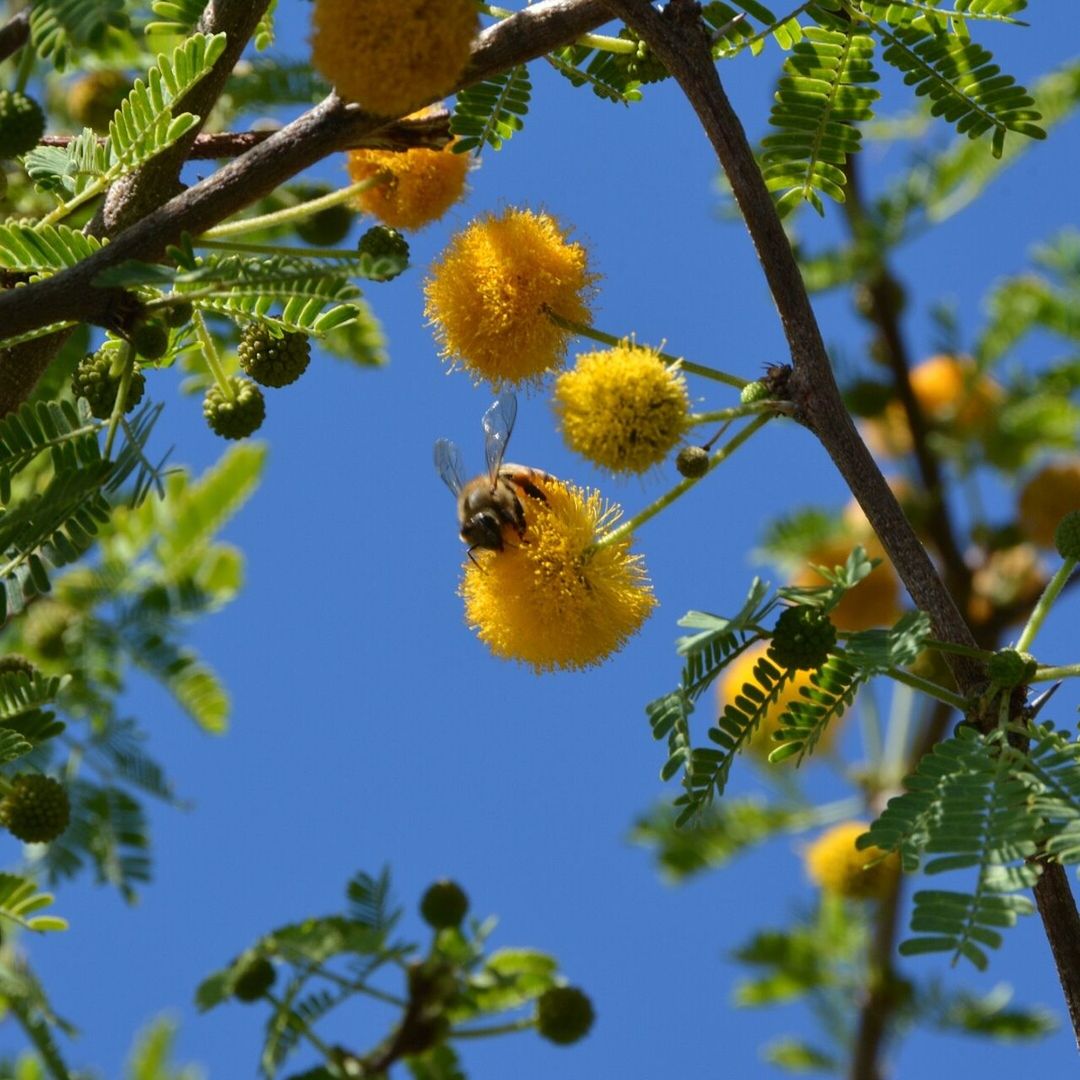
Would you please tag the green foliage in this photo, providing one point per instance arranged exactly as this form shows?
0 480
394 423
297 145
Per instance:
151 1058
108 832
720 833
962 83
833 689
19 900
601 71
977 802
334 960
142 127
38 249
60 30
491 111
822 94
175 17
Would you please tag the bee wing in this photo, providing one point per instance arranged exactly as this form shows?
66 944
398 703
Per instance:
449 464
498 425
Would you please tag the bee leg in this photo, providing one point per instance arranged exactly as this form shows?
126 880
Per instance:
472 559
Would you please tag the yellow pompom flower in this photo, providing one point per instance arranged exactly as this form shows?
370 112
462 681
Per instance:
489 294
740 672
951 394
622 408
556 600
1047 497
389 56
416 186
836 866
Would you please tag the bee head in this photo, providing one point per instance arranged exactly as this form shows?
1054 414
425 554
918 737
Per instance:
483 530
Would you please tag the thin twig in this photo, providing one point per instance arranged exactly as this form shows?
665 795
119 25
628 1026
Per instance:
14 34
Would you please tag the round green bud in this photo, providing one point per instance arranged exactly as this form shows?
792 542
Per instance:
444 905
273 361
1009 667
325 228
22 123
564 1015
177 315
1067 535
382 242
802 639
92 380
150 339
35 809
238 415
253 978
692 462
754 391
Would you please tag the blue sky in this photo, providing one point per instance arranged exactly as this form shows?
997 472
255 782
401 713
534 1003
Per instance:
369 725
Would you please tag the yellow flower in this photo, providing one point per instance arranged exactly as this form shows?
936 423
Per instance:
741 671
950 392
391 55
418 186
622 408
489 294
835 865
1047 497
555 600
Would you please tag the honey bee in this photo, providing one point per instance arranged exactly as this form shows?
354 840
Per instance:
490 503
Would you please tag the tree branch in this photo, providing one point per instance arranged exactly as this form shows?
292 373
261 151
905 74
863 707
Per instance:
329 126
678 39
14 34
219 145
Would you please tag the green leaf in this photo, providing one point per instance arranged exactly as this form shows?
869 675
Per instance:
820 97
491 111
61 30
962 83
796 1056
19 900
40 249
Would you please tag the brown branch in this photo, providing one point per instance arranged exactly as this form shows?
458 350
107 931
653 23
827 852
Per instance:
132 197
329 126
883 289
678 39
406 135
14 34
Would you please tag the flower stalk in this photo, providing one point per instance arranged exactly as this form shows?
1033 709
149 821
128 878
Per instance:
665 500
583 330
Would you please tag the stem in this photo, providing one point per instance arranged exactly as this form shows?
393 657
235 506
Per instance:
1048 674
1044 604
300 1024
294 213
121 397
609 339
740 410
279 249
27 58
654 508
917 682
495 1029
958 650
213 360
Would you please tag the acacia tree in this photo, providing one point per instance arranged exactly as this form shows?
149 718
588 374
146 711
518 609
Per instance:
108 554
